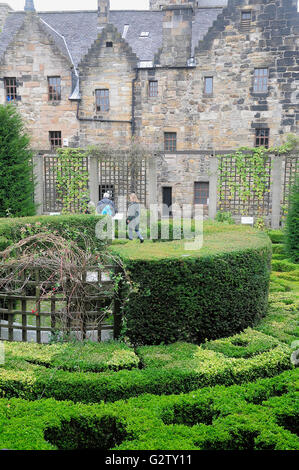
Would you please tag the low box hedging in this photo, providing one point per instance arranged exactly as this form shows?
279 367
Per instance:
276 236
283 266
177 368
192 296
77 356
257 416
73 227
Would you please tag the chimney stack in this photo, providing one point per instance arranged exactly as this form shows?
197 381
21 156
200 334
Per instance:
177 35
103 12
29 6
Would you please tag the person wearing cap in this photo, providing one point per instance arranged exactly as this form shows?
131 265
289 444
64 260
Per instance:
106 206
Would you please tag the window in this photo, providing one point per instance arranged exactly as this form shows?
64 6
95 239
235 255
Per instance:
208 85
144 34
153 88
125 31
55 139
170 141
54 84
109 44
11 89
106 188
102 100
201 193
262 137
246 17
260 81
167 201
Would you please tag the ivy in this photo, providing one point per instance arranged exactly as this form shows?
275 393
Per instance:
72 181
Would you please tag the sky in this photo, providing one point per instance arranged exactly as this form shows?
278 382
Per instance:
47 5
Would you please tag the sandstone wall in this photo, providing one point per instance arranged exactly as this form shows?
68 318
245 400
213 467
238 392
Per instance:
31 58
109 68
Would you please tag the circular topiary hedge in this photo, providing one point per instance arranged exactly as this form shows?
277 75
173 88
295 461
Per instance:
196 295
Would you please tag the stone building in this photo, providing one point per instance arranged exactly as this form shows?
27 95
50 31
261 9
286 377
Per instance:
192 77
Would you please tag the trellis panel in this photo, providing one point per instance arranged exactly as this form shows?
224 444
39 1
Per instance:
26 307
231 202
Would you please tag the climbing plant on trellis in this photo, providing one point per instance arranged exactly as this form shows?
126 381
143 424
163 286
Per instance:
244 182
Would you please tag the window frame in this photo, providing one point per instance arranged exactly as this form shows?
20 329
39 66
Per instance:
170 142
12 95
153 91
56 137
54 96
262 140
199 192
246 22
206 78
258 79
98 101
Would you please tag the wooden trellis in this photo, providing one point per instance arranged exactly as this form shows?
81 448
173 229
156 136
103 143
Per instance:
122 176
290 173
51 199
231 202
35 305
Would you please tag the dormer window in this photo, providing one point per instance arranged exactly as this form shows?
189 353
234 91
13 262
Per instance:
246 17
125 31
144 34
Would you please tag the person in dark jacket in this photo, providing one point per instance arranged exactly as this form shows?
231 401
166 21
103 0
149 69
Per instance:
106 206
133 217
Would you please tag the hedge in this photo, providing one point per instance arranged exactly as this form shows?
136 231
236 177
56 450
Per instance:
258 416
192 296
72 227
177 368
276 236
292 224
77 356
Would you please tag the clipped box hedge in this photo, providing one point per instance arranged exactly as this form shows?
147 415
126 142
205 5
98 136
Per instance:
192 296
167 369
258 416
72 227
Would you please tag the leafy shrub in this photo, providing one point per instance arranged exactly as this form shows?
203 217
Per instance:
247 344
225 217
194 297
261 415
276 236
279 249
176 368
292 224
283 266
77 356
17 185
4 243
77 228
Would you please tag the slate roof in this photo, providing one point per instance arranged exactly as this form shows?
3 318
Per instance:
80 29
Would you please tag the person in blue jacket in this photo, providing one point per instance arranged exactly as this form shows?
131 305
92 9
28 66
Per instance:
133 217
106 206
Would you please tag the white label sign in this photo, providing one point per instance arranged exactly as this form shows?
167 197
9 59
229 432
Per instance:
247 221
